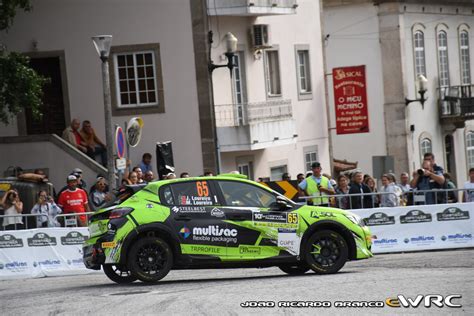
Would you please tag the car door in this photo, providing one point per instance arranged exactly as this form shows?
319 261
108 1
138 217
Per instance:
263 230
196 219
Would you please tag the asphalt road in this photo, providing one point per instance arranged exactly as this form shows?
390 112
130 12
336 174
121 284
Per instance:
218 292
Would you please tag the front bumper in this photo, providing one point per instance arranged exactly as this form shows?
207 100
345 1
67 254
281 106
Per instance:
93 256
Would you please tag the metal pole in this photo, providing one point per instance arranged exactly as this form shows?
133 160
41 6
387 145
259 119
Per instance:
109 138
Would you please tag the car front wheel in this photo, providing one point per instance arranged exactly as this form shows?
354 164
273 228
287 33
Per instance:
118 274
326 252
150 259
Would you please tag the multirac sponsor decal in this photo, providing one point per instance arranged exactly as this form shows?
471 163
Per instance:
185 232
415 216
379 218
47 263
41 239
452 214
10 241
420 240
457 238
188 209
214 233
76 262
14 266
386 242
73 238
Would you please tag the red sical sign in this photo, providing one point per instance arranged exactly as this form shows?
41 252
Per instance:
350 99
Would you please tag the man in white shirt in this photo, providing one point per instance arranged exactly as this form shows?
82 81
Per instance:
468 196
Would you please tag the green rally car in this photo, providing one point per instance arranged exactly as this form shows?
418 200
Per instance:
218 222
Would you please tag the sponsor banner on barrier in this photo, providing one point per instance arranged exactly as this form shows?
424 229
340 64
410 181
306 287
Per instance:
423 227
42 252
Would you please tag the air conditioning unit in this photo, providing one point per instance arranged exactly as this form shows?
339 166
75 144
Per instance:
261 36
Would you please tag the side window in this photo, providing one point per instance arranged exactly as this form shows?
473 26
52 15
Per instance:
244 194
167 196
195 193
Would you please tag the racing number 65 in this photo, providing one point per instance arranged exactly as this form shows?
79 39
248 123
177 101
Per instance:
293 218
202 189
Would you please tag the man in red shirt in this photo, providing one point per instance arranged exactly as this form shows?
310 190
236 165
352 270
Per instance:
74 200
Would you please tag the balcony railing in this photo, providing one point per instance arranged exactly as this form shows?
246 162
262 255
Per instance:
251 7
228 115
456 104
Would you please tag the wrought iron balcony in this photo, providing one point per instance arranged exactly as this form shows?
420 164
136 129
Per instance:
251 7
456 104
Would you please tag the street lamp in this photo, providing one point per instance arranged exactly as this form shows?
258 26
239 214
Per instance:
102 44
231 48
422 84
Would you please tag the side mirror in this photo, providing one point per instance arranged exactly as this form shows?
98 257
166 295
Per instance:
281 203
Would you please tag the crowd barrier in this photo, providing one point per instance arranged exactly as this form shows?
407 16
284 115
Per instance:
420 227
33 253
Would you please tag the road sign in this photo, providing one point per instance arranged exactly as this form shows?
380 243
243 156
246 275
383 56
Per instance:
134 131
121 163
119 142
287 188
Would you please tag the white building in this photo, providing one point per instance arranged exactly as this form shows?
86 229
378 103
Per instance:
159 71
271 115
396 41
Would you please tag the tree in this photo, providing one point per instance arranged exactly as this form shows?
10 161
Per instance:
20 86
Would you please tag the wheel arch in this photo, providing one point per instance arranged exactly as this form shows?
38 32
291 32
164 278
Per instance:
335 226
150 230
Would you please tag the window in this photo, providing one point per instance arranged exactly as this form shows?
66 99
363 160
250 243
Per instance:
425 146
246 169
303 71
465 59
470 149
272 72
309 158
419 43
238 78
277 172
136 79
192 193
167 196
243 194
443 64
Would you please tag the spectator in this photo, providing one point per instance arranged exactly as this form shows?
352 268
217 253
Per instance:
208 173
80 180
389 196
285 177
406 188
145 164
358 187
133 178
370 182
450 185
300 177
170 175
95 147
72 136
74 200
48 209
431 158
149 176
342 189
184 175
428 179
331 180
139 173
99 195
316 185
468 194
13 206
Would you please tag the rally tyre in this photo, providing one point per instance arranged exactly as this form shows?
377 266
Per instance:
150 259
326 252
118 274
295 270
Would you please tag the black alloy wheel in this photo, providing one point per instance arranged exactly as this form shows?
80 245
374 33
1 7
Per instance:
150 259
118 274
326 252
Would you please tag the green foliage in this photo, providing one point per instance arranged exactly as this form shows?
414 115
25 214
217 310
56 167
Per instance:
8 11
20 86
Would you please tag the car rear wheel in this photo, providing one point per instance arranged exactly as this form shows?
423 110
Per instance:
294 270
118 274
326 252
150 259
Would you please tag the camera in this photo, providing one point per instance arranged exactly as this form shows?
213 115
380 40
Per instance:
421 172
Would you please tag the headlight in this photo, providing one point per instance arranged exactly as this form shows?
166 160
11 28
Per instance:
356 219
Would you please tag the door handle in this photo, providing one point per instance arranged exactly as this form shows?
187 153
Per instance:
182 218
237 217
